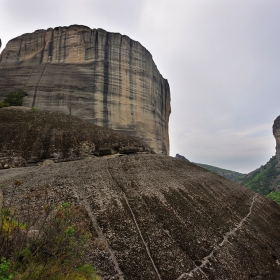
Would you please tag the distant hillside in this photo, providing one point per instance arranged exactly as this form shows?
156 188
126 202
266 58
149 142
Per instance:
228 174
264 179
231 175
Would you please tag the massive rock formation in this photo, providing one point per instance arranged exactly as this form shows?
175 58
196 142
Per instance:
157 217
103 77
276 133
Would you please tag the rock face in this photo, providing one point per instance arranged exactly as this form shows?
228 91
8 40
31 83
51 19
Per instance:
28 136
276 133
157 217
103 77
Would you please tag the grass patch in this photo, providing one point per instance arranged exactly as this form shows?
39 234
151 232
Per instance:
275 196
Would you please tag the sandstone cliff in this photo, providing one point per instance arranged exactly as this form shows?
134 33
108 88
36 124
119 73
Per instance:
103 77
156 217
276 133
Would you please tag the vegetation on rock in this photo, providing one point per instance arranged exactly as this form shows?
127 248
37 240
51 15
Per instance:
275 196
13 99
53 246
4 104
264 179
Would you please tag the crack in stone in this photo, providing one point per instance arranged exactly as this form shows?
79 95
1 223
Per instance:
35 93
101 236
206 259
136 224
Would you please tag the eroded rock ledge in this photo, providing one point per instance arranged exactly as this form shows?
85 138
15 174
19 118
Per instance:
28 136
103 77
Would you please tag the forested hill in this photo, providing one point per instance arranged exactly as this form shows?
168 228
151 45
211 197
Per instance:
263 180
228 174
231 175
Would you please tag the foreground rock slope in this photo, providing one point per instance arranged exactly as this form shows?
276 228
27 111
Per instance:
156 217
103 77
28 136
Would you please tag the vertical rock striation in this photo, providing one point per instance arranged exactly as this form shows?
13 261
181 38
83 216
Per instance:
103 77
276 133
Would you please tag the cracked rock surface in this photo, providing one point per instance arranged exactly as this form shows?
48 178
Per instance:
157 217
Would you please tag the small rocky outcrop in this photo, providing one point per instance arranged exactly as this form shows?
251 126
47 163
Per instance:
157 217
181 157
28 136
106 78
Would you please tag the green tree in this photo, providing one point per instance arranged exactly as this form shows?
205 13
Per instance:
15 98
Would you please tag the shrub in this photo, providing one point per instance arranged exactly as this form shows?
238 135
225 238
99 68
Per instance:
15 98
4 104
4 270
57 249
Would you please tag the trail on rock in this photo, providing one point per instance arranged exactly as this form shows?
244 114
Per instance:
207 259
97 228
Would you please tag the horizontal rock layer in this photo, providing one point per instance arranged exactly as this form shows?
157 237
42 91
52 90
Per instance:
103 77
28 136
156 217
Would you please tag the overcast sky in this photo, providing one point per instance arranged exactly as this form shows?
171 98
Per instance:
221 58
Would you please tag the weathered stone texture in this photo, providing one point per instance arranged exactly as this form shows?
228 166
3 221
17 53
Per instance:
276 133
28 136
156 217
103 77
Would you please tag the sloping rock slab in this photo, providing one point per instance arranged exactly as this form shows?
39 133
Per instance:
156 217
